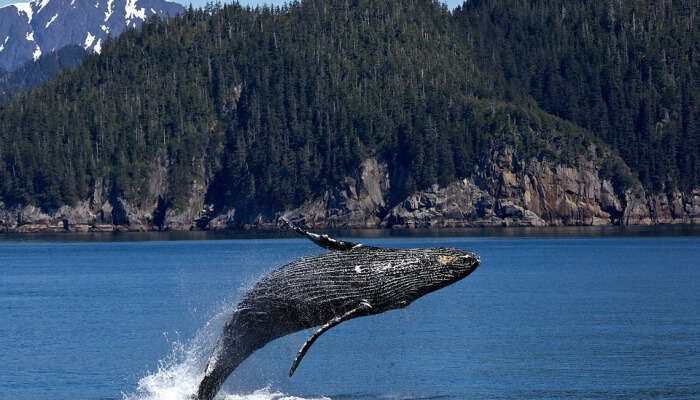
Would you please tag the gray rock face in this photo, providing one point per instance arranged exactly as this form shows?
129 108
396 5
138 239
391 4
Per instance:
78 218
460 204
186 220
509 191
223 221
28 30
505 191
357 203
100 214
556 194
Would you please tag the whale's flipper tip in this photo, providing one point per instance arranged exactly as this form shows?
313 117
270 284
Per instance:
355 312
324 241
284 221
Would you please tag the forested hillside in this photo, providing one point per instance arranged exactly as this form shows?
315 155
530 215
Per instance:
267 109
629 71
290 109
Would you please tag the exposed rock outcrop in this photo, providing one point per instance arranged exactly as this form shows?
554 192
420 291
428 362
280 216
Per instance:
187 219
505 191
358 203
460 204
223 221
102 214
509 191
557 194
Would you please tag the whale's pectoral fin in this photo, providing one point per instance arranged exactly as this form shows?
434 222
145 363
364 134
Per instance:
324 241
361 309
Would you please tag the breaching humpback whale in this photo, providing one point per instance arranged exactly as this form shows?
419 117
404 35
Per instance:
350 281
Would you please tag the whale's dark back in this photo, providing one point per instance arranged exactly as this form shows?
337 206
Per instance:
317 288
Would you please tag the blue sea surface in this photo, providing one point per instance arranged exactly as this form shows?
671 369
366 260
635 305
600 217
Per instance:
544 317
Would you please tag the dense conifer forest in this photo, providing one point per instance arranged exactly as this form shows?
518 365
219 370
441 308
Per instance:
628 71
273 105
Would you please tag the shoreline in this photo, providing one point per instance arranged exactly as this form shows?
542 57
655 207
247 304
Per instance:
512 194
659 230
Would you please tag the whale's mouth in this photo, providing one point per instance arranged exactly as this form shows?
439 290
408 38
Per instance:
466 264
475 260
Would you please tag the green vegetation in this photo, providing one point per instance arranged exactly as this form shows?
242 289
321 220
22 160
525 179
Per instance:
273 105
627 71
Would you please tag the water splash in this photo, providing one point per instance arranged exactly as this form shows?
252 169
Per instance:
266 394
181 371
179 374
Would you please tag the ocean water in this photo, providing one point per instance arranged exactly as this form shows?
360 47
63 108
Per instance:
544 317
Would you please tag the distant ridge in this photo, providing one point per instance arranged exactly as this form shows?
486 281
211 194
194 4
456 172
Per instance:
33 73
30 29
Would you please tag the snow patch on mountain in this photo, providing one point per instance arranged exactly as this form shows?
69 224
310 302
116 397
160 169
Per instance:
25 8
51 21
133 12
43 4
109 11
88 40
48 25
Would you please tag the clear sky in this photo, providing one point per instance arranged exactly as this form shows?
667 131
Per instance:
198 3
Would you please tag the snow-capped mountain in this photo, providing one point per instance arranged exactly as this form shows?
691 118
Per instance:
37 27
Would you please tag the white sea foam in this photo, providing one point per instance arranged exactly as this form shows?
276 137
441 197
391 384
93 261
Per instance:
180 372
266 394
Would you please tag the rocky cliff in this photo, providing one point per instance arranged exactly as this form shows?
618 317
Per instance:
509 191
506 191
